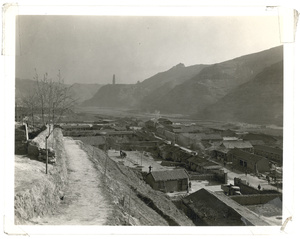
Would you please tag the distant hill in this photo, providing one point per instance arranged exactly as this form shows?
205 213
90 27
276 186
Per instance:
81 92
260 100
214 82
162 83
116 96
141 95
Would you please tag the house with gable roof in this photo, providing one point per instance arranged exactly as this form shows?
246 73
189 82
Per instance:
169 180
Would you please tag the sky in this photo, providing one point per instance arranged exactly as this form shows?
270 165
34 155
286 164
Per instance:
90 49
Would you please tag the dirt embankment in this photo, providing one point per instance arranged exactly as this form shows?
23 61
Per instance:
36 193
99 191
133 202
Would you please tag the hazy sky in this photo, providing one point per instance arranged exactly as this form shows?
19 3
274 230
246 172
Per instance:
90 49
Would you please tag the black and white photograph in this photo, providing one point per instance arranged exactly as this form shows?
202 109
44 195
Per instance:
150 120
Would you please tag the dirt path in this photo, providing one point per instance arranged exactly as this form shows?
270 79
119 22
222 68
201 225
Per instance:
83 203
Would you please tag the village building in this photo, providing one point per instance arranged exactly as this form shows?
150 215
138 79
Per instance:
271 153
164 121
220 151
202 165
243 145
230 138
267 139
168 181
211 137
151 124
248 162
221 154
206 208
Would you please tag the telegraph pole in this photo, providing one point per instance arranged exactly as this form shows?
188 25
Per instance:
47 154
46 145
129 207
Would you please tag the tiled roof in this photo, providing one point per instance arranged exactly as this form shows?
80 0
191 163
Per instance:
230 138
212 167
203 203
169 175
268 149
237 144
245 155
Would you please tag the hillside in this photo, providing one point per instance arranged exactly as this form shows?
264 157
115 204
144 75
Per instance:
258 101
214 82
116 96
81 92
86 187
142 94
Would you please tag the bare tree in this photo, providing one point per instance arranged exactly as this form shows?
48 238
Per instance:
54 98
30 102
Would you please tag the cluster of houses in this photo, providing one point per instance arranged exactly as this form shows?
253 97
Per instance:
247 152
191 146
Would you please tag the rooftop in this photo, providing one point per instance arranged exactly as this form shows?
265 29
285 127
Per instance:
246 155
237 144
213 208
169 175
230 138
268 149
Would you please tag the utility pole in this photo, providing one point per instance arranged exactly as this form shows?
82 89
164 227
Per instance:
105 166
114 80
105 152
47 153
46 145
129 207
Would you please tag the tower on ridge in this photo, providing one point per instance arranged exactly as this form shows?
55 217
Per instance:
114 80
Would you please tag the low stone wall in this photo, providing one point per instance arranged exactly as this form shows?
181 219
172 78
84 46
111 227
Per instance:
248 190
43 197
255 199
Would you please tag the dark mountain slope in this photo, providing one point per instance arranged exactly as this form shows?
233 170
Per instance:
258 101
174 76
141 94
83 92
116 96
214 82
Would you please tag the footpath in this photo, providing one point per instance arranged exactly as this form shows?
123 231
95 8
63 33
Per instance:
82 202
